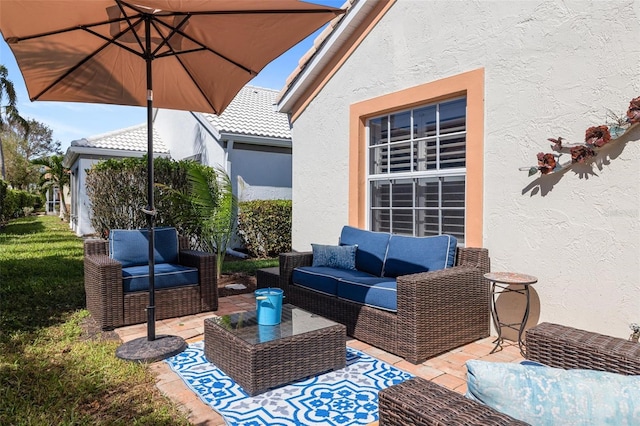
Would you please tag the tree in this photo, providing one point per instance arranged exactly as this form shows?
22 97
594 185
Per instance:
20 173
54 174
8 112
21 147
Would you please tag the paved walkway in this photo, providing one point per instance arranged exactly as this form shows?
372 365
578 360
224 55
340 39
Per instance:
447 369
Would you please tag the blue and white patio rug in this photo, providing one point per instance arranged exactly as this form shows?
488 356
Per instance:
343 397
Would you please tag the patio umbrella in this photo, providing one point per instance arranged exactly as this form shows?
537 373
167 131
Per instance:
196 54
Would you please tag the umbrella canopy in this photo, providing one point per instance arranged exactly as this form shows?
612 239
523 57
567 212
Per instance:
196 54
202 51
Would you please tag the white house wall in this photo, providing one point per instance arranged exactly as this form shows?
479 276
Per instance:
551 69
261 168
186 136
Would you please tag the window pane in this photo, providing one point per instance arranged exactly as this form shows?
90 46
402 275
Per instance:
427 221
380 194
378 131
380 221
400 158
424 155
453 223
424 122
400 126
452 151
378 160
453 192
402 221
453 116
402 193
427 192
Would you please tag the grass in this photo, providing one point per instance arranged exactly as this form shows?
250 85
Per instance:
51 372
248 266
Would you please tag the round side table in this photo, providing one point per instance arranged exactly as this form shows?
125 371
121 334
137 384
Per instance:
504 282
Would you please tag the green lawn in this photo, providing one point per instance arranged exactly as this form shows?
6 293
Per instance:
51 373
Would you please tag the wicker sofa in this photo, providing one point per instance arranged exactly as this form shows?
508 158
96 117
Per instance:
436 311
421 402
112 306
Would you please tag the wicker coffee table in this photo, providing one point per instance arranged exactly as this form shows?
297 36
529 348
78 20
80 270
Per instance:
262 357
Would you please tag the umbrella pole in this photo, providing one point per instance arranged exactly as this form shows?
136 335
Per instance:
151 309
150 349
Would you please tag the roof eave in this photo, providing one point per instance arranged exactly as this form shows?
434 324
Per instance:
75 152
324 54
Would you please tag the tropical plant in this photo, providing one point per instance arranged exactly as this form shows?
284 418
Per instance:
54 174
8 111
215 208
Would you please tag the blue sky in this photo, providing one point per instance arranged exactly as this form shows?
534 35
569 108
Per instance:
71 121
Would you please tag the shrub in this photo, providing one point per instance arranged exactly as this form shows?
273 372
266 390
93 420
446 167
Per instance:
16 203
3 196
117 190
265 227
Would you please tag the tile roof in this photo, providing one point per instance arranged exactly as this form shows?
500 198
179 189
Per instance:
317 44
252 112
129 139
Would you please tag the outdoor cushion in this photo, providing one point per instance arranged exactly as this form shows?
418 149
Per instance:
342 257
131 246
553 396
166 275
323 279
372 291
411 255
372 248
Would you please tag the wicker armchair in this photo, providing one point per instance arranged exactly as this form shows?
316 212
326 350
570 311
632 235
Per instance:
421 402
112 307
437 311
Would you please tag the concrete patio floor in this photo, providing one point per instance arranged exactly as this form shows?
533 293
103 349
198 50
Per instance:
447 369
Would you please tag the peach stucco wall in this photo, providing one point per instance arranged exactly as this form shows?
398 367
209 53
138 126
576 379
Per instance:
548 69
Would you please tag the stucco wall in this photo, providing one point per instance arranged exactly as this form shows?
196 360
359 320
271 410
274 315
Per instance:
185 136
551 69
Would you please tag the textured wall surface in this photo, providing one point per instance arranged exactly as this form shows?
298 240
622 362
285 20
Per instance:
551 69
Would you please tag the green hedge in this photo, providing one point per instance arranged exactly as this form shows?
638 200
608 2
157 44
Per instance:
117 190
16 203
265 227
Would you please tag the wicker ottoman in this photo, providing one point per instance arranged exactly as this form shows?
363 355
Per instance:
260 357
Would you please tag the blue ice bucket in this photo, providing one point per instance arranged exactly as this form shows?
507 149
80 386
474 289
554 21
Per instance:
269 306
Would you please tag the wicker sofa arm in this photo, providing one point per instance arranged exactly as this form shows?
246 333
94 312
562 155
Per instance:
206 264
441 310
95 246
290 261
420 402
103 287
566 347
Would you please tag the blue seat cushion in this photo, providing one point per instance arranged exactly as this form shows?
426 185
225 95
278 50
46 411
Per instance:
166 275
411 255
323 279
131 246
372 248
378 292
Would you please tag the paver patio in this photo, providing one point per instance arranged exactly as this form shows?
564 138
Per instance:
447 369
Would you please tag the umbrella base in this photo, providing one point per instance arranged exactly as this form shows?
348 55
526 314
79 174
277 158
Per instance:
144 350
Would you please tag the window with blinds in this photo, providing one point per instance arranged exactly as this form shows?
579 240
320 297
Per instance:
417 170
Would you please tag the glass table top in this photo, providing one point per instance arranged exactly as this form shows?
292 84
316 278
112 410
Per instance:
294 321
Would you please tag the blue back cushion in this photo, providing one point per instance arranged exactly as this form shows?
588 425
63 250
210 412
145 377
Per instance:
411 255
341 257
372 248
131 246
